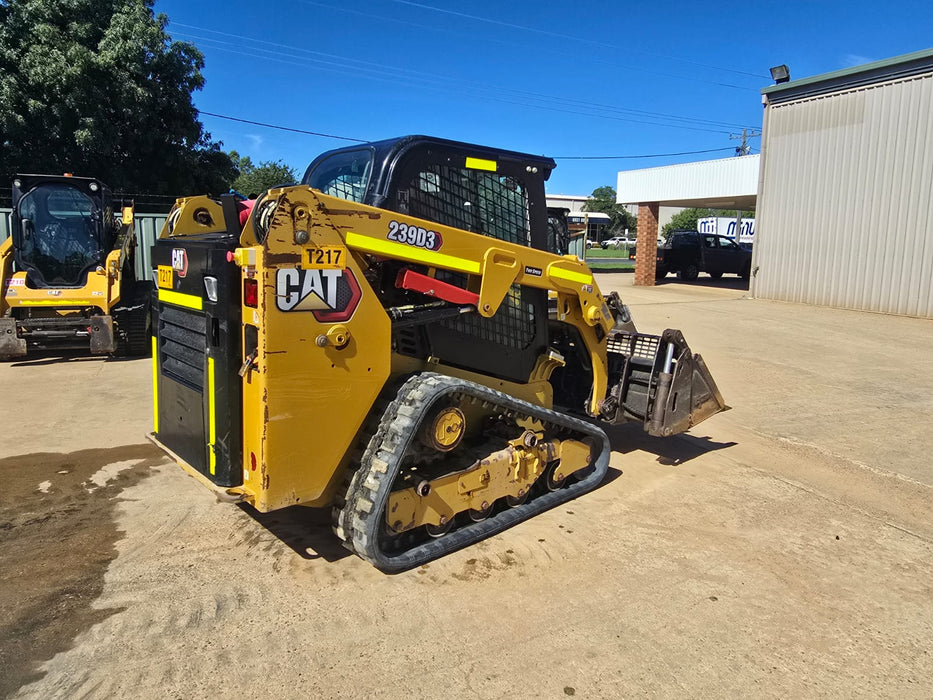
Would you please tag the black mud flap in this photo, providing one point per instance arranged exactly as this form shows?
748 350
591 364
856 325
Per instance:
658 381
11 345
101 332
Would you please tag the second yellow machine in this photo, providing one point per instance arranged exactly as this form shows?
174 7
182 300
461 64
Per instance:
381 340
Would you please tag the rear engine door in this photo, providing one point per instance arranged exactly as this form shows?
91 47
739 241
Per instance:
196 318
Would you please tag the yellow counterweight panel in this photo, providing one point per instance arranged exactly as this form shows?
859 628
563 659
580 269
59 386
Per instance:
310 388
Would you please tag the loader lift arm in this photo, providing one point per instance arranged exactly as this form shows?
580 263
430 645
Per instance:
492 267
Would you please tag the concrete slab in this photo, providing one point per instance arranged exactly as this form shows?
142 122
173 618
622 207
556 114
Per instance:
855 386
782 549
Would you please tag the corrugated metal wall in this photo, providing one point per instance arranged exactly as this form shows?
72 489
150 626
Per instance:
846 199
147 229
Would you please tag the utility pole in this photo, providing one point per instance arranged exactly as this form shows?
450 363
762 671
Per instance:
742 150
746 134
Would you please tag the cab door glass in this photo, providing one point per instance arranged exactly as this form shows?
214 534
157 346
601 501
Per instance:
60 233
345 175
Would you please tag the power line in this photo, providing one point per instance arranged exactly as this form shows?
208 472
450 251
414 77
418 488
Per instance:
564 37
429 81
380 68
347 138
283 128
652 155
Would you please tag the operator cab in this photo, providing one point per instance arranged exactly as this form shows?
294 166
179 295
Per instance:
485 190
489 191
62 228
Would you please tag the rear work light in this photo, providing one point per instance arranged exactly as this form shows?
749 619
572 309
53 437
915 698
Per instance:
251 292
210 288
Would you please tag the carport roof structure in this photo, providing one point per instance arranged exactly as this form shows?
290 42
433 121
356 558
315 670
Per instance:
726 183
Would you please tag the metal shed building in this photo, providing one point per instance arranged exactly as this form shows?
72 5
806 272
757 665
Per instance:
845 199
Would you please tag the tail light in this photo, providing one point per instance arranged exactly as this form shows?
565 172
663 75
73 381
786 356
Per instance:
251 292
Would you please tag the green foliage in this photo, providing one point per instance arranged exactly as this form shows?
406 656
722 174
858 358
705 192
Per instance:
604 200
686 220
253 180
97 88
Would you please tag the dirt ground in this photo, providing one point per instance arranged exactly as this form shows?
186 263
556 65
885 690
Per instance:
780 549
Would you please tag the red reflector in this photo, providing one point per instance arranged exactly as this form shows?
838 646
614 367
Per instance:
252 460
251 292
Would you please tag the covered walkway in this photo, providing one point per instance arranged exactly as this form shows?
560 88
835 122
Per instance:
727 183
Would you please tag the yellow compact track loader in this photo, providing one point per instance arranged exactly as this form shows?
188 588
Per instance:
393 339
67 270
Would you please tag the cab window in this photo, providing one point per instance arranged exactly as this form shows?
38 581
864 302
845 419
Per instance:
345 175
473 200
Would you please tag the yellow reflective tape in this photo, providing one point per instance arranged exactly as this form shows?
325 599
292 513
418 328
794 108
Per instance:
189 301
482 164
570 275
155 384
58 301
211 419
407 252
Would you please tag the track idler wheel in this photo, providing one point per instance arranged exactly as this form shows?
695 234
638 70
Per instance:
480 514
515 501
439 530
554 477
444 430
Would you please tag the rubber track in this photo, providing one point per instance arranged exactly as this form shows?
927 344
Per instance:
372 483
372 434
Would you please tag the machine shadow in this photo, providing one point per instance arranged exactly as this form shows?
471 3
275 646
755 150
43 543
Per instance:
307 531
43 357
670 451
730 282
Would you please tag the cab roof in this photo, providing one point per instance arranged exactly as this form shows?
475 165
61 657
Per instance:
389 151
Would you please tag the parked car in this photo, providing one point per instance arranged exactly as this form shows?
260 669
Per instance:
616 241
689 253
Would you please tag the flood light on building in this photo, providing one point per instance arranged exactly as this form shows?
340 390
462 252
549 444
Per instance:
780 74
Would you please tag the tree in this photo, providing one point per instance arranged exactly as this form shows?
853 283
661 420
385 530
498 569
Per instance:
686 220
97 87
603 200
255 179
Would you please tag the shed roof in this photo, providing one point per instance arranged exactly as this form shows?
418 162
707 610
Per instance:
891 68
725 183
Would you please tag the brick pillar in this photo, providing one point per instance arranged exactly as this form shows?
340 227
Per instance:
646 244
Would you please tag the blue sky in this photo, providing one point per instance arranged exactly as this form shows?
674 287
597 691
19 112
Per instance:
562 79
